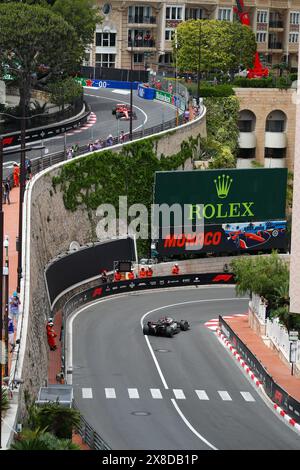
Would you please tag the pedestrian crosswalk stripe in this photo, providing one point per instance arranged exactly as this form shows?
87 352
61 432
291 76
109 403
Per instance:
247 396
133 393
87 393
110 393
156 393
202 395
224 395
179 395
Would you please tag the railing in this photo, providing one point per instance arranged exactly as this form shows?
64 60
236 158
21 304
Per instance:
275 24
41 163
141 43
275 45
280 337
89 435
141 19
259 307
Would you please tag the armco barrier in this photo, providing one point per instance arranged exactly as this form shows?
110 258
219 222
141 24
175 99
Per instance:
273 390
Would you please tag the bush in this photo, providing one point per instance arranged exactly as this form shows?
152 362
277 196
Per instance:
253 82
5 400
217 90
293 77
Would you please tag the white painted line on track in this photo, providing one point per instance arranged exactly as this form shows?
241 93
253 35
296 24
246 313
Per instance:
202 395
224 395
197 434
156 393
247 396
110 393
179 395
87 393
133 393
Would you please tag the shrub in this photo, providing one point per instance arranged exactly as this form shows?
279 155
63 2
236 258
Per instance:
253 82
217 90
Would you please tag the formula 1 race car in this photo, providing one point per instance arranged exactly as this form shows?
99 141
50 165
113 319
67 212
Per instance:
165 326
123 111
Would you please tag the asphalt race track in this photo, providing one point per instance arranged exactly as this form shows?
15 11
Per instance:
149 114
178 393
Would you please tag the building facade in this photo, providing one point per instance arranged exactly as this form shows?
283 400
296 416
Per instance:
145 30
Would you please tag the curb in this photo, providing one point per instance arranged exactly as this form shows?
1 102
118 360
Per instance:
257 382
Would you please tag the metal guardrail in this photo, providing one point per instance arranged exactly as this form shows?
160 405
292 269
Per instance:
41 163
89 435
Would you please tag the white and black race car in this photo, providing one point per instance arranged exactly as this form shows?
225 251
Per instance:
165 326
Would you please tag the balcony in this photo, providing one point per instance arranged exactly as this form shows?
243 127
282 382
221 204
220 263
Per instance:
149 20
275 24
141 43
275 46
247 140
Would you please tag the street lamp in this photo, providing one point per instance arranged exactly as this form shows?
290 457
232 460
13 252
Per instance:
131 94
6 297
199 62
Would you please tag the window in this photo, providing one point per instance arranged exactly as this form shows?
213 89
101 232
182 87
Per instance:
261 37
137 14
169 34
86 59
275 153
174 13
224 14
262 16
106 39
293 37
138 58
106 8
294 17
106 60
193 13
245 126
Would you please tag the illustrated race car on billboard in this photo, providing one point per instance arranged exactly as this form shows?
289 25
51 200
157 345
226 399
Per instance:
165 326
123 111
253 234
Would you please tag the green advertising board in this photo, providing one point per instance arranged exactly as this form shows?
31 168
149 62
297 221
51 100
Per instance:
225 196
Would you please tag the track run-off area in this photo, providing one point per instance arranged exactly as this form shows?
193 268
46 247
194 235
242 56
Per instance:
180 393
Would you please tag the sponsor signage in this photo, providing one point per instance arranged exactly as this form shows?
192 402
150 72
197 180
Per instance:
235 237
240 210
94 83
293 335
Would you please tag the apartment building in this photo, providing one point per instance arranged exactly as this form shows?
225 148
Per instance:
144 30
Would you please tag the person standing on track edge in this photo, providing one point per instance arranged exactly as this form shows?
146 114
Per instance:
175 269
16 175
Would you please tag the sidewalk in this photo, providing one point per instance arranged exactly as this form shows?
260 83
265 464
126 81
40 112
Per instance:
280 372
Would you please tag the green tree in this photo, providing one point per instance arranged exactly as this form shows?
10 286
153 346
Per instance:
4 400
32 35
83 15
223 45
56 419
65 91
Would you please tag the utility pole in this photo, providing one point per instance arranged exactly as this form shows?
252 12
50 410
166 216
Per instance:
22 189
131 97
6 301
199 64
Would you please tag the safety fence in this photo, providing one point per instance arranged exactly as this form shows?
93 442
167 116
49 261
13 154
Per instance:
89 435
43 162
280 337
277 394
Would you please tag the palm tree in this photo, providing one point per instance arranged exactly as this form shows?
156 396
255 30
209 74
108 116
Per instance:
4 400
58 419
42 440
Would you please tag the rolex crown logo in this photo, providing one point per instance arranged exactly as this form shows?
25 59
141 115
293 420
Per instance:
223 184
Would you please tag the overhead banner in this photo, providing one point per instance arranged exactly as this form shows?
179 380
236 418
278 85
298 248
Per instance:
220 210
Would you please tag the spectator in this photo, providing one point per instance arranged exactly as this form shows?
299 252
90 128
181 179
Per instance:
69 153
16 175
131 275
117 276
104 276
175 269
14 303
91 147
149 272
75 149
186 115
28 169
122 137
11 334
109 140
6 191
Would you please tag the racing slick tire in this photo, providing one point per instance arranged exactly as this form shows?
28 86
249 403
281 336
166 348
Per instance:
146 330
184 326
169 332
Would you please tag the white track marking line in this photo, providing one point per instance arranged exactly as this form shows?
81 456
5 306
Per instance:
110 393
87 393
202 395
156 393
179 395
133 393
247 396
190 426
224 395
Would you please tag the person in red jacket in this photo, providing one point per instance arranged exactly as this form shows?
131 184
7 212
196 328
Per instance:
149 272
175 269
51 335
131 274
142 272
117 276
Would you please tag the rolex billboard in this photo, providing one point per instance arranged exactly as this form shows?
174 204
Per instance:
221 210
